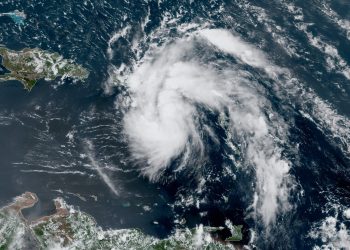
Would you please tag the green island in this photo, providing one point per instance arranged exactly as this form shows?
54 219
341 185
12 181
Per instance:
69 228
30 65
236 232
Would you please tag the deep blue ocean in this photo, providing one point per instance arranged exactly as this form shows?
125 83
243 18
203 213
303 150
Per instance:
194 112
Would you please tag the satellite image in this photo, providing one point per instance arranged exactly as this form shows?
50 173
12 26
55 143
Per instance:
162 124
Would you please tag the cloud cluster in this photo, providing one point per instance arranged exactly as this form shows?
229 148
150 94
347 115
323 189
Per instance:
164 122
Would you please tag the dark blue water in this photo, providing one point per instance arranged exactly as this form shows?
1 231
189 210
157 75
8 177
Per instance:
46 135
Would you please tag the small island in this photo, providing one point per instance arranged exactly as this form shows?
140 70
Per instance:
236 231
30 65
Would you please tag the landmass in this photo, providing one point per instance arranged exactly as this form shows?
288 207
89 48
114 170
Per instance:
69 228
236 232
30 65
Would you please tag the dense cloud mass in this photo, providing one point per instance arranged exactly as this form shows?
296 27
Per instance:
164 122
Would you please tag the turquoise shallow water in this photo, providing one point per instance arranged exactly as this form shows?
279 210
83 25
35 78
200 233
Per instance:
17 19
16 16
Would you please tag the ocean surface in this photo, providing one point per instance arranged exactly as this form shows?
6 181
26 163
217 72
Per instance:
195 112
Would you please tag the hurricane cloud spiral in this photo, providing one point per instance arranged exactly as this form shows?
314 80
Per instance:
173 90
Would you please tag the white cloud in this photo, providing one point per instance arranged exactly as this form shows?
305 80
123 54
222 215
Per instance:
164 120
